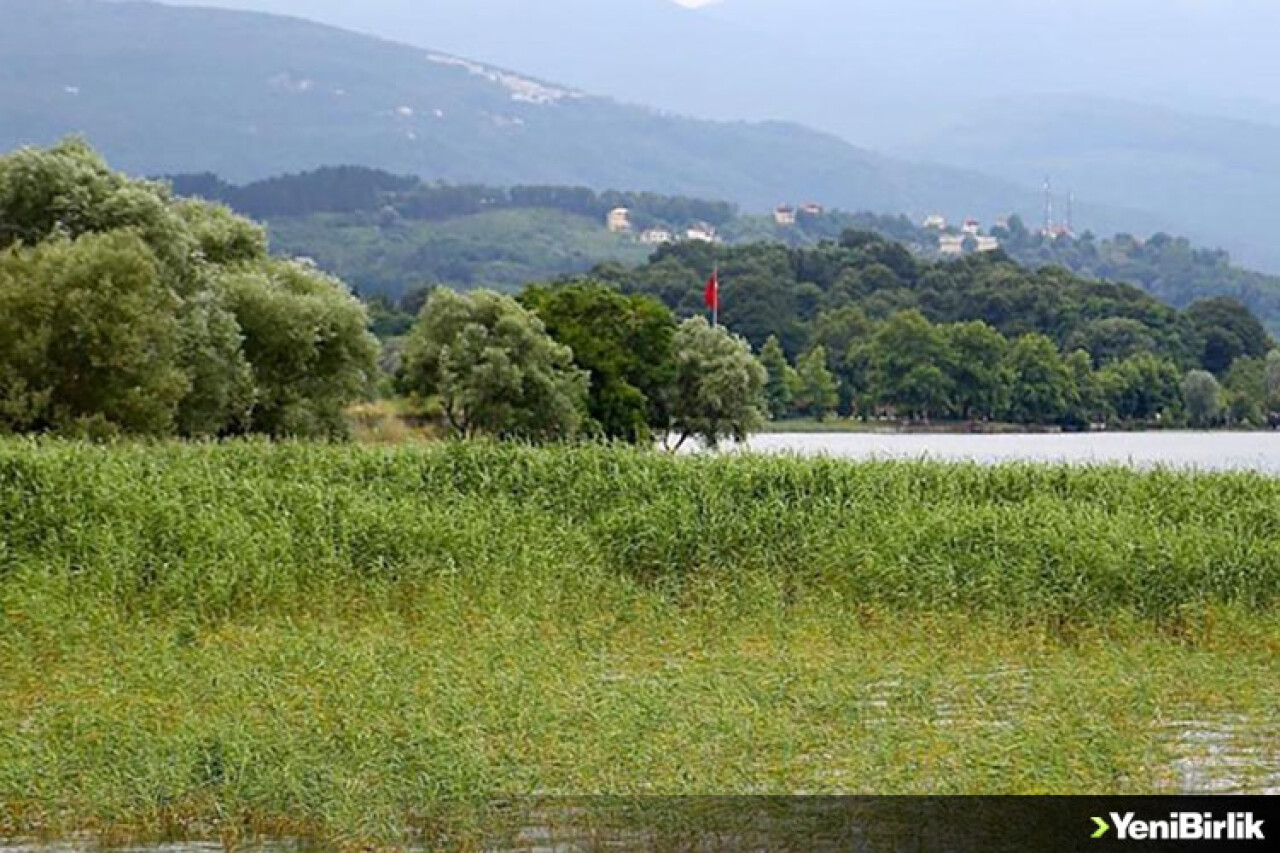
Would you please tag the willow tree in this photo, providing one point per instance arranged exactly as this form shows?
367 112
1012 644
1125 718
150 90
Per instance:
124 309
494 369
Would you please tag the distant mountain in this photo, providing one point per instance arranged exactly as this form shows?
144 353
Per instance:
1166 106
1218 177
165 90
658 52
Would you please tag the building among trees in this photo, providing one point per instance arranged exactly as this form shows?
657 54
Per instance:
618 220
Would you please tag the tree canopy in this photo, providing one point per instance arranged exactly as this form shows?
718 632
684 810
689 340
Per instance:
126 310
625 342
719 385
494 368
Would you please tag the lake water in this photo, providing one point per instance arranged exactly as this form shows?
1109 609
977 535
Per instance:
1207 451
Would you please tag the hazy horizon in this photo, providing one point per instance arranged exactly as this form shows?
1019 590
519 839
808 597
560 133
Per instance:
1166 106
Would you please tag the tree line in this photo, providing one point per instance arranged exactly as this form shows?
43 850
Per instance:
357 189
579 360
933 339
127 310
906 367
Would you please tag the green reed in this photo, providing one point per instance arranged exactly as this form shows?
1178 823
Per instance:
365 645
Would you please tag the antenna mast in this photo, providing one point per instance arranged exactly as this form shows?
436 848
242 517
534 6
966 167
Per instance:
1048 207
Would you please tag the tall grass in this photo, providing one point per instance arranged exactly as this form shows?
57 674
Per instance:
216 531
362 645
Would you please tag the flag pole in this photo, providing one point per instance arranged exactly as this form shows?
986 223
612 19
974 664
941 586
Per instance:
715 309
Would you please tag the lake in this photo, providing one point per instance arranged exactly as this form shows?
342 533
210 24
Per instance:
1206 451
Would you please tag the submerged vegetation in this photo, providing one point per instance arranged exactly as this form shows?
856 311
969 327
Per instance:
359 644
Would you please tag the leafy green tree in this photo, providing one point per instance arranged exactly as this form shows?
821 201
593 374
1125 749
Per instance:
911 366
1143 387
89 340
69 191
844 332
977 369
781 382
1089 405
307 342
1041 388
1203 396
1114 339
816 388
135 312
494 367
719 388
223 392
1246 388
1271 381
625 342
1229 331
756 308
221 237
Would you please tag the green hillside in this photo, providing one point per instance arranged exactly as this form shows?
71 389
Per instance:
502 249
390 235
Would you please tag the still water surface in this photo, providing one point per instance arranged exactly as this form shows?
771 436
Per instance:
1206 451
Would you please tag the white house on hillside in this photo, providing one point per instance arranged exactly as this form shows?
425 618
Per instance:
701 233
619 220
951 245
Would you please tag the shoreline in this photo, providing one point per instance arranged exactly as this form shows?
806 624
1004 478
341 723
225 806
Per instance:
803 426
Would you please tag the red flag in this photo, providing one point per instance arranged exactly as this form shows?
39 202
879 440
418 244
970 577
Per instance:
712 294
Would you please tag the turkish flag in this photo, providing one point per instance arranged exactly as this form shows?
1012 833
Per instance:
712 294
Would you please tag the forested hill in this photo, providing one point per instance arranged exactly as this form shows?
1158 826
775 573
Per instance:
355 189
1167 267
390 234
153 88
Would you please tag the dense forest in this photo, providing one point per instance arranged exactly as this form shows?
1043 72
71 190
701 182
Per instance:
965 339
1167 267
863 327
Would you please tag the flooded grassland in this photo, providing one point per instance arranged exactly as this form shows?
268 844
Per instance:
356 645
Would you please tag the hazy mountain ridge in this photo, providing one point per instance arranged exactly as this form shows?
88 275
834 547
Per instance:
1135 104
157 90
